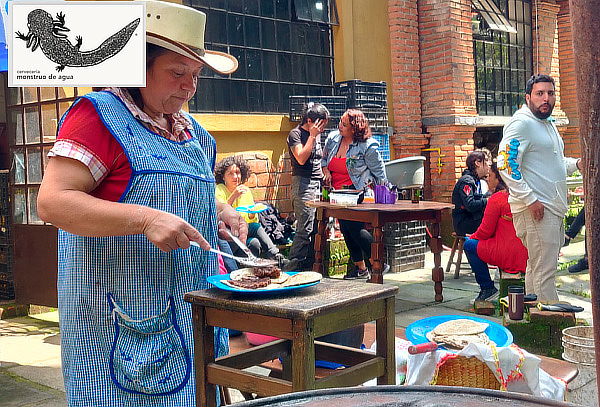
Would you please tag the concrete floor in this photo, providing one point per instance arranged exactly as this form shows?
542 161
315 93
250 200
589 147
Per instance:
30 373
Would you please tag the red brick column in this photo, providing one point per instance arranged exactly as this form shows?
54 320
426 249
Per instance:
570 135
447 88
544 16
455 143
406 89
446 53
568 86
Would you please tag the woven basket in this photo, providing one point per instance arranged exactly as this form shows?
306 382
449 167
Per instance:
466 372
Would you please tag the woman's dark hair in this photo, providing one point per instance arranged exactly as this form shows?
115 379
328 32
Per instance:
473 157
152 52
359 123
537 79
501 184
314 111
223 165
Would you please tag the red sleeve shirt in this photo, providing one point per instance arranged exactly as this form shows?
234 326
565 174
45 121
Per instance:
83 128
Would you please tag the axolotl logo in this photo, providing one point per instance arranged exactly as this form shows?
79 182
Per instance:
507 159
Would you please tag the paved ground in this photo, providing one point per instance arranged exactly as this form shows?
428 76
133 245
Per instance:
30 372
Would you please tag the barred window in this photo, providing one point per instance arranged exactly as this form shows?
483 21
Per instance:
32 117
503 60
284 47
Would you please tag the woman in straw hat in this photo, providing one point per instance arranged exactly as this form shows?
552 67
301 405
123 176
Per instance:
130 184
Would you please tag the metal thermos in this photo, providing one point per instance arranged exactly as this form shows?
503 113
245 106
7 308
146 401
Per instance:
515 302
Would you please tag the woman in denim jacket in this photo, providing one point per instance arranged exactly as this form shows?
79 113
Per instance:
351 159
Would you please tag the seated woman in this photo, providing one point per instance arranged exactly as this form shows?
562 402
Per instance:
351 159
230 174
495 242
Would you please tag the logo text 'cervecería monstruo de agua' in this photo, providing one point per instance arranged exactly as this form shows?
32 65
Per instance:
69 44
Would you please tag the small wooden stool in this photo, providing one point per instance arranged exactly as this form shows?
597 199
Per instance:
457 247
331 306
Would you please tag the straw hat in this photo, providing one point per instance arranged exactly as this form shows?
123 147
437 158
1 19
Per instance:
181 29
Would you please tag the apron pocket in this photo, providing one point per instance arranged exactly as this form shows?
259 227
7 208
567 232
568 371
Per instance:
148 356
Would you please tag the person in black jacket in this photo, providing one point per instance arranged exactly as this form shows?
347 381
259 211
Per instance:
469 202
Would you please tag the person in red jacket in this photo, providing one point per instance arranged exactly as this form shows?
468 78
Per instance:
495 242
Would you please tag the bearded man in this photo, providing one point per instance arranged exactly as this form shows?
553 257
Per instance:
532 163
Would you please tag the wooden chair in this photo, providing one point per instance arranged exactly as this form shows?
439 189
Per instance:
457 248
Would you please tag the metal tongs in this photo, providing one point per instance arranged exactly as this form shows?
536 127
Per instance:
250 261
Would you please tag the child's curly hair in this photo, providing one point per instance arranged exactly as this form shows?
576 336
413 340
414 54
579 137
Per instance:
359 124
223 165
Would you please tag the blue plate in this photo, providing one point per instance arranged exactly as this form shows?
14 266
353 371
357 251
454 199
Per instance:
416 331
256 208
217 281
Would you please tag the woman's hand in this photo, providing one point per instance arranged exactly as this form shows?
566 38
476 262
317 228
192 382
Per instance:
317 127
169 232
326 176
240 190
229 218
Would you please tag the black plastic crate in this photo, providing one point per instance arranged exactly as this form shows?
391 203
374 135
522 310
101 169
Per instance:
363 94
384 145
378 119
336 105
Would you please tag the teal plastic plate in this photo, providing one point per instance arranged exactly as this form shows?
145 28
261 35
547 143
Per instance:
217 281
416 331
256 208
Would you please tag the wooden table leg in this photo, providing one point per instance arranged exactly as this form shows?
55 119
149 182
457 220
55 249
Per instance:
437 273
320 242
377 254
303 356
204 353
386 346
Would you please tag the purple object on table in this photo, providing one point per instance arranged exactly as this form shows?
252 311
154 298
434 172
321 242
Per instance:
383 195
390 197
379 191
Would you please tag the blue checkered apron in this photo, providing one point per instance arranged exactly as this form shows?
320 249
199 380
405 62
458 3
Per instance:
126 331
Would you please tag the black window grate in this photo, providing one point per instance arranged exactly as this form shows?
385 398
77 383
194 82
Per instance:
503 61
278 56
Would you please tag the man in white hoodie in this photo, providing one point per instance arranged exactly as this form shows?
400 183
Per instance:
532 164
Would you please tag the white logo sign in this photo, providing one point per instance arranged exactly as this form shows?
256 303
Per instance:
77 43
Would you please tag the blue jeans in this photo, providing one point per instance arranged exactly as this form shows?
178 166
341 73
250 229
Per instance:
479 267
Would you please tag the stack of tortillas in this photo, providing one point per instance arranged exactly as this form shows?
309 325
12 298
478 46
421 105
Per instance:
458 333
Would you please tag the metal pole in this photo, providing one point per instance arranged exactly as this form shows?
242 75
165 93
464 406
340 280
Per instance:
585 20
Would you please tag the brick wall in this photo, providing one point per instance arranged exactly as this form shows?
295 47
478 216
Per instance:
455 143
545 45
447 88
270 182
406 88
446 54
568 89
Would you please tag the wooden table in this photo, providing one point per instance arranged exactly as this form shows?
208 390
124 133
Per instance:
297 317
377 215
